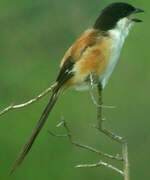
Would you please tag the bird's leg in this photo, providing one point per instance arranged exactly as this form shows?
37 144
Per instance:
91 80
91 87
112 135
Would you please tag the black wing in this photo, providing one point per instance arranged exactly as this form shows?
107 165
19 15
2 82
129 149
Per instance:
66 72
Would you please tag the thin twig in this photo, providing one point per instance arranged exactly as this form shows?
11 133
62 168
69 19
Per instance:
100 119
101 163
11 107
99 107
112 135
126 161
89 148
57 135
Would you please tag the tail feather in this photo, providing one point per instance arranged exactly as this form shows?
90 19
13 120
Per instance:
36 131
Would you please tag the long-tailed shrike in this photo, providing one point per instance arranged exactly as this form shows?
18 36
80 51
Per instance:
94 53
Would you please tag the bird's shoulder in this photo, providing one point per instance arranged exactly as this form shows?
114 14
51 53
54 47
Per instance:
86 39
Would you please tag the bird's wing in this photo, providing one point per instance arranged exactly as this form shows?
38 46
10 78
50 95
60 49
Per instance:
74 53
87 39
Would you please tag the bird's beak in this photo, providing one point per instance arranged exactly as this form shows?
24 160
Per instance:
137 10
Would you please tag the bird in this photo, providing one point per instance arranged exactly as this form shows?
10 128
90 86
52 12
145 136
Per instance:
94 53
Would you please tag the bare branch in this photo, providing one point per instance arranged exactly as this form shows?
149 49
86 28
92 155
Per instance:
89 148
112 135
68 134
126 161
100 163
11 107
57 135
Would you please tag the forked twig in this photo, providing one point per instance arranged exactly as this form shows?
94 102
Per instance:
89 148
112 135
101 163
68 134
126 161
11 107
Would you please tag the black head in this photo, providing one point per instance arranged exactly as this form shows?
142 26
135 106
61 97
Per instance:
113 13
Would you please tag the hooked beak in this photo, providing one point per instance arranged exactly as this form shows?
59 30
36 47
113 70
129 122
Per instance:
137 10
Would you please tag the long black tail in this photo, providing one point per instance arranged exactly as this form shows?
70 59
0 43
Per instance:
36 130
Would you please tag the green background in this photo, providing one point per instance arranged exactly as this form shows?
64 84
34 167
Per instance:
34 34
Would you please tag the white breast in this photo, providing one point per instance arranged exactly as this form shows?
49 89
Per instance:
118 36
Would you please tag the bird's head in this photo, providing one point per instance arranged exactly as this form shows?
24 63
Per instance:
115 14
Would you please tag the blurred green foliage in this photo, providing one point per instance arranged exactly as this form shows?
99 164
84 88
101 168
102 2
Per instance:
33 38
